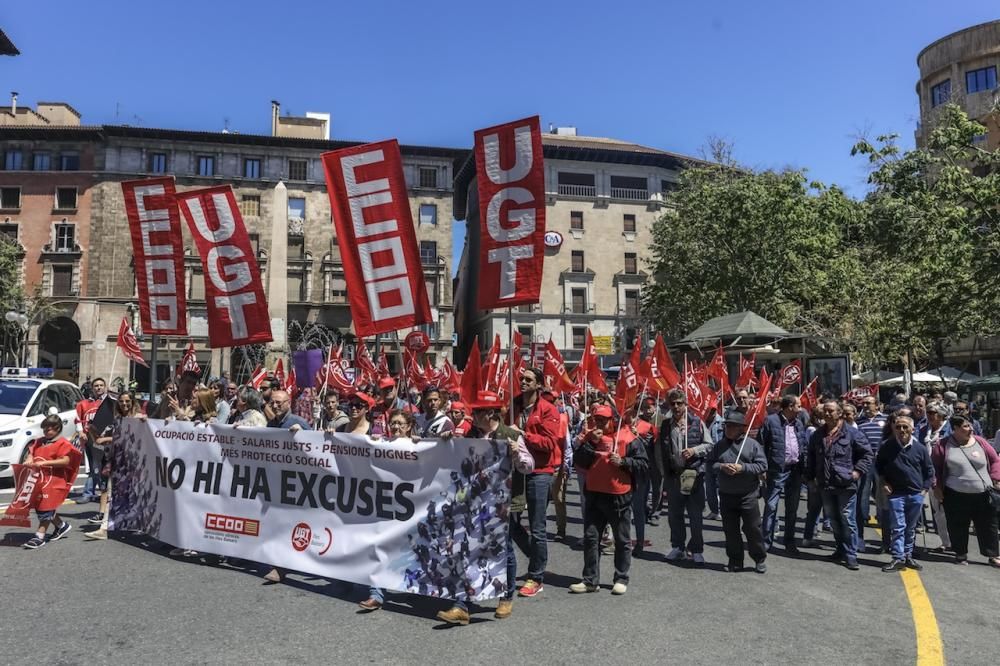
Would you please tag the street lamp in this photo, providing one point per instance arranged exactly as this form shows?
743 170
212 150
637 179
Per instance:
21 320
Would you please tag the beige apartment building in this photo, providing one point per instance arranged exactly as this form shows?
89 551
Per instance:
602 197
101 289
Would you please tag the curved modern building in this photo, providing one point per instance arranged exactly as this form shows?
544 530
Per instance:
962 68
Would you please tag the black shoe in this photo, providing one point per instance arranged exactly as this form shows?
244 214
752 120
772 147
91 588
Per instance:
61 531
835 556
895 565
34 542
852 565
760 567
96 520
913 564
791 549
733 567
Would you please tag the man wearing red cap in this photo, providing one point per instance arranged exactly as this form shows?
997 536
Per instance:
613 465
459 416
387 401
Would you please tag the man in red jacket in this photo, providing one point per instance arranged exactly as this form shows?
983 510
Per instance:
614 466
537 421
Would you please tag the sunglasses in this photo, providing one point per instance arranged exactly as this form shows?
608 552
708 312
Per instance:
902 427
678 402
357 405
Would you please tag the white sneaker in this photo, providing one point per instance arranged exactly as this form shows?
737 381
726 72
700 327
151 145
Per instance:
582 588
619 588
698 558
675 554
712 516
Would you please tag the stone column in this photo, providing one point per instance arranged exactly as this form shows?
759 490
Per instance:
277 274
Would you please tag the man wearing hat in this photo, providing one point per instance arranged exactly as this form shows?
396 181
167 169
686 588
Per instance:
387 402
458 412
613 466
739 461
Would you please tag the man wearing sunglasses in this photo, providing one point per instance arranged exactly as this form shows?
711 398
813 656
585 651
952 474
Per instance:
906 473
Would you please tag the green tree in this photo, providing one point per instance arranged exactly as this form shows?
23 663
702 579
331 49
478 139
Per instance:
737 239
11 293
932 228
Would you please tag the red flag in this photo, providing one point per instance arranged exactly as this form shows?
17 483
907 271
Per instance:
234 294
451 378
790 375
759 410
188 362
374 227
290 383
861 392
279 371
332 374
491 371
661 371
471 381
747 379
628 386
717 370
128 344
697 400
554 370
258 376
808 399
589 372
511 183
27 494
365 364
382 369
158 254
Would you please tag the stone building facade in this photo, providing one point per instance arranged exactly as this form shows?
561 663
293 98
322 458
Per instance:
602 197
104 282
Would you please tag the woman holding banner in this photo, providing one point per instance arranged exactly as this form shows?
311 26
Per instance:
125 405
358 409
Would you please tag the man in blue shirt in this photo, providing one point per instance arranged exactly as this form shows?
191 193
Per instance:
281 405
870 423
906 473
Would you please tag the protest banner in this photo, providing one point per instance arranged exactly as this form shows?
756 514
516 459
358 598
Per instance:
28 484
427 517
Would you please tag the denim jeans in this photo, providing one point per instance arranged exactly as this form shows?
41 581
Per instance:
863 509
377 593
789 481
677 505
537 488
581 481
840 509
814 506
603 510
904 511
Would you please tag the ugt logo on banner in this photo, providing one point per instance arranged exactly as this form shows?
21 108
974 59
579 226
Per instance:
237 309
371 215
511 184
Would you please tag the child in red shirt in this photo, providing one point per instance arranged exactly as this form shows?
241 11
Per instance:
58 461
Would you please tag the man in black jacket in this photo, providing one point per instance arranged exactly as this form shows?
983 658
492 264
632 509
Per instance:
784 442
739 461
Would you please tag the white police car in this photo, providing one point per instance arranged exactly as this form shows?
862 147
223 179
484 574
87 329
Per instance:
25 399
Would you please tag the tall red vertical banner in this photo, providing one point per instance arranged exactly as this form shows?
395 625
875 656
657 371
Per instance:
234 294
371 215
158 250
511 183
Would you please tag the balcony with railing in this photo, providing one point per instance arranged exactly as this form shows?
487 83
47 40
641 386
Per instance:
629 193
584 191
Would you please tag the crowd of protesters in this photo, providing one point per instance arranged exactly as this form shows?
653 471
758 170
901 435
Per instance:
856 465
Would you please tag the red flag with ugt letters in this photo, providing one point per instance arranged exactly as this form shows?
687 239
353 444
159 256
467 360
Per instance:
158 254
789 375
627 388
234 295
378 246
128 344
747 379
511 182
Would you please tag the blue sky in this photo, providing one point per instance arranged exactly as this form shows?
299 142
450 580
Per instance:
788 83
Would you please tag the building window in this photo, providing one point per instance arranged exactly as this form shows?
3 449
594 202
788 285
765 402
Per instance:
528 333
66 198
668 186
69 162
297 169
979 80
428 252
980 139
576 220
631 302
296 247
255 243
338 290
62 280
631 263
526 307
576 184
158 163
41 162
428 177
296 208
629 223
9 232
428 214
579 337
206 165
631 188
295 284
251 168
13 160
579 297
10 197
430 284
430 330
576 258
250 205
196 286
941 93
65 237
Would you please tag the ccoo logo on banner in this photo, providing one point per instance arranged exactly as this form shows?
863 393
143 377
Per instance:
428 517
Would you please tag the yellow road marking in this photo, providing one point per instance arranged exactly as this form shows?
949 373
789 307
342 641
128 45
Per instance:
930 651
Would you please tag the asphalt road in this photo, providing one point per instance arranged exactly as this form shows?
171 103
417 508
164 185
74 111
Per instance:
76 601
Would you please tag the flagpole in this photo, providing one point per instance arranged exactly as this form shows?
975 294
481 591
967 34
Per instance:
114 358
687 407
510 363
